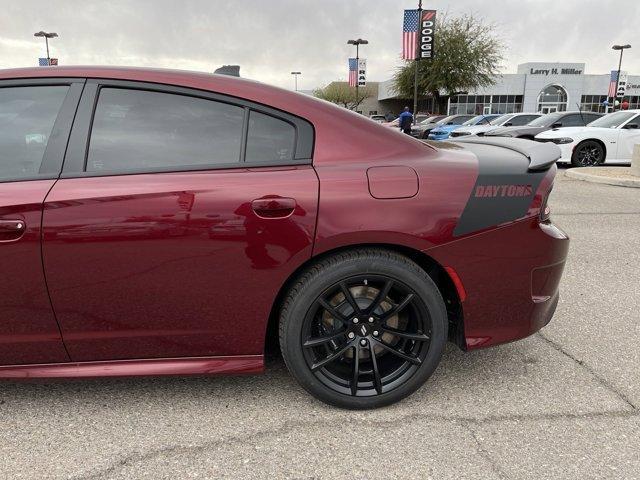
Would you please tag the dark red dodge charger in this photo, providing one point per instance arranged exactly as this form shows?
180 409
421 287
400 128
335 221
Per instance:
157 222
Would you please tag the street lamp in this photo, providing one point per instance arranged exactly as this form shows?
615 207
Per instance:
47 36
357 43
295 75
621 48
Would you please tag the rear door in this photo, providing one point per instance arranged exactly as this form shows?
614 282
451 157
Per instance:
173 227
35 119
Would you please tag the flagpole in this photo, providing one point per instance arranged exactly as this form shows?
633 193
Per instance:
357 73
415 61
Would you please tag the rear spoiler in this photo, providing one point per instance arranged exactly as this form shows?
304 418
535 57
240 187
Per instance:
541 155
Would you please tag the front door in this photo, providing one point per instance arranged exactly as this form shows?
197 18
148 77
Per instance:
35 118
167 244
628 138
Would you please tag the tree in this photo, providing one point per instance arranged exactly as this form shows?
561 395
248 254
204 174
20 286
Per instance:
342 94
468 56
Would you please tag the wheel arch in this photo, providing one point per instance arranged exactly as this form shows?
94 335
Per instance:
437 272
597 140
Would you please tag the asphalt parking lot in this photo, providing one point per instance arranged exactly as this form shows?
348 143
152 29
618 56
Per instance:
561 404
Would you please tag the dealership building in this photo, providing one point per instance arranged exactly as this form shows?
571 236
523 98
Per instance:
536 87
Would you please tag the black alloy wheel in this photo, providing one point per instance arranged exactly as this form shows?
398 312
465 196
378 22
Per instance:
365 339
587 154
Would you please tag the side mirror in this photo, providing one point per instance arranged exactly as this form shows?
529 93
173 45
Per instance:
631 126
449 123
556 125
508 124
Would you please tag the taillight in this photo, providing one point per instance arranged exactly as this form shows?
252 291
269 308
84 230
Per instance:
545 211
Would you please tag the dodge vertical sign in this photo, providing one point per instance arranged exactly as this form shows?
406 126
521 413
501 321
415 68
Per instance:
427 32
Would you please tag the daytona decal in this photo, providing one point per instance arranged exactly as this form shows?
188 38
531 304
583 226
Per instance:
503 191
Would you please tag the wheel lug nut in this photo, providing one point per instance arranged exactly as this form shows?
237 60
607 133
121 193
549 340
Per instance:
363 342
355 320
370 319
375 333
351 335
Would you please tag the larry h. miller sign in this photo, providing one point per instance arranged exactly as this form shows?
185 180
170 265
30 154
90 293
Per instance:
426 47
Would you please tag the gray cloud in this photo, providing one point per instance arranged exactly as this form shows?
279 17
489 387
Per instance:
270 38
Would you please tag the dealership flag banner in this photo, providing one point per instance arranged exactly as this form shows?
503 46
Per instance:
427 34
410 34
362 72
353 72
622 85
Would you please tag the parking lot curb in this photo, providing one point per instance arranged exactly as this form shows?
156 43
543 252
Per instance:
619 176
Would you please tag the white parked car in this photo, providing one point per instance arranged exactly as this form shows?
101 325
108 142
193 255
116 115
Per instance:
609 139
506 120
378 118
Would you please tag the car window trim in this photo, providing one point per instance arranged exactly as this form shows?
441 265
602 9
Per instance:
52 158
77 153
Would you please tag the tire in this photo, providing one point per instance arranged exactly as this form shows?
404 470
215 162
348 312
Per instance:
394 347
588 153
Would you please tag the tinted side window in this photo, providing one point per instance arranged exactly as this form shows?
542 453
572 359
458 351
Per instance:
27 115
269 139
588 118
461 120
141 130
572 121
522 120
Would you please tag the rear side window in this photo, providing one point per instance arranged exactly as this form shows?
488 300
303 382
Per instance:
522 120
27 116
588 118
142 130
574 120
269 139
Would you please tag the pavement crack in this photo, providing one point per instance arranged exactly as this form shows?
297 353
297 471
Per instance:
244 437
603 381
484 453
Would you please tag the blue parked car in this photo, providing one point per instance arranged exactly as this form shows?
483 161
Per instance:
453 122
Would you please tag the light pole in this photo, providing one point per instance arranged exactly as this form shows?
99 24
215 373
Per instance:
621 48
295 74
357 43
415 73
47 36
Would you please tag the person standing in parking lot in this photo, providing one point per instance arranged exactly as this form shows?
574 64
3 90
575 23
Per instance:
406 119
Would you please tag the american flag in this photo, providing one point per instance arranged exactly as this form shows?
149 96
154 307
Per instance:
612 83
45 62
353 72
410 34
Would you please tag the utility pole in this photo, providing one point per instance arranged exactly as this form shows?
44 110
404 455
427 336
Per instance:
357 43
615 95
295 75
47 36
415 77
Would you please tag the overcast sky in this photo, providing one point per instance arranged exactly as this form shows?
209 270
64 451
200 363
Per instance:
270 38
